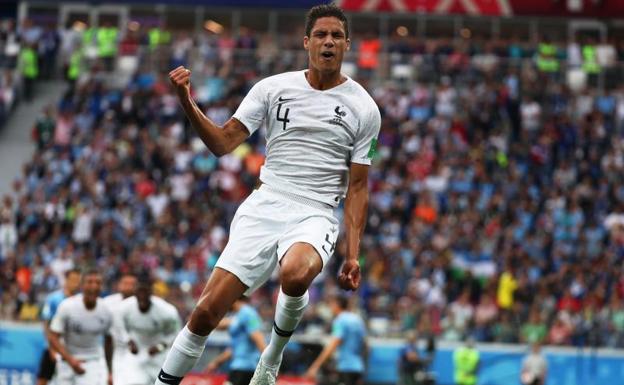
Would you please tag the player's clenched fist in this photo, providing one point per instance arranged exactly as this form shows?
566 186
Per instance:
181 79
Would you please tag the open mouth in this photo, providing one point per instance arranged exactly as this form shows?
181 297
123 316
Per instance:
327 54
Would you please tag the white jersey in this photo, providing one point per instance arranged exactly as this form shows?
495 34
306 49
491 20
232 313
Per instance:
160 324
82 329
113 302
312 135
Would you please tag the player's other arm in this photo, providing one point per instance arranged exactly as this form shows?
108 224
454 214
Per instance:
258 339
108 354
220 140
219 360
327 352
57 345
57 328
356 206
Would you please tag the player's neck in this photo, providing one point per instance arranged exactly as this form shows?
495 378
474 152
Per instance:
89 302
324 81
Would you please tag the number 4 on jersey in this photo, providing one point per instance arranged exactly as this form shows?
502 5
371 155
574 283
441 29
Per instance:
284 119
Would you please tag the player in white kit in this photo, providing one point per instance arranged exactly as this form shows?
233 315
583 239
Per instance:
125 289
82 321
321 135
150 324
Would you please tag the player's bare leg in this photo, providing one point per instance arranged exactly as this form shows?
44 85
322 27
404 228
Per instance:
298 268
222 289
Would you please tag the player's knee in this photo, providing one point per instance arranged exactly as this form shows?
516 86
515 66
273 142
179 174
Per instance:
296 280
205 318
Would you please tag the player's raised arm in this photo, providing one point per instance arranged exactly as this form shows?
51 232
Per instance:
220 140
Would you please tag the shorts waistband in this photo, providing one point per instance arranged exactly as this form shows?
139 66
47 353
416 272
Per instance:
295 197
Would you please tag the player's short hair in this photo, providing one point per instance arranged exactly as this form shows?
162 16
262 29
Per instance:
125 274
72 271
90 271
325 10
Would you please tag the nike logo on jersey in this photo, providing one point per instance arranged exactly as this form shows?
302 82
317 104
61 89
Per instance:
168 378
281 99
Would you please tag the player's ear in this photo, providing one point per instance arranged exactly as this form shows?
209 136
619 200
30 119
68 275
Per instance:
348 44
306 42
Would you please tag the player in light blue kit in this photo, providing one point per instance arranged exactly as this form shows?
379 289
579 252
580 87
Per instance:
349 338
247 343
47 365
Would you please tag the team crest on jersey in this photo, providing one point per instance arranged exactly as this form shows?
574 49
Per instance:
337 120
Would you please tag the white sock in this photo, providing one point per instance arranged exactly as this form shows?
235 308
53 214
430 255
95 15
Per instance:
288 313
184 353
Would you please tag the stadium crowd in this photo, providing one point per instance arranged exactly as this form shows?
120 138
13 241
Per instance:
496 202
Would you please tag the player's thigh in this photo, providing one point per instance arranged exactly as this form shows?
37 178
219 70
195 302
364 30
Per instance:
46 366
240 377
318 229
250 253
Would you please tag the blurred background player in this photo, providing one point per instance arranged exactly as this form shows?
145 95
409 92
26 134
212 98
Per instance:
47 363
125 289
149 326
83 322
348 337
414 365
247 343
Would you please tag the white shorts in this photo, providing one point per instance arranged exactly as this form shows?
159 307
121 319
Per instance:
266 225
96 373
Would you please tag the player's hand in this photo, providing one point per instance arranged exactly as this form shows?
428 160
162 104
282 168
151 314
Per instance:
310 374
153 350
349 277
181 80
133 348
76 366
110 378
211 367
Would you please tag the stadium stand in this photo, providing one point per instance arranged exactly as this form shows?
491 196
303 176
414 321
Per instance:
496 205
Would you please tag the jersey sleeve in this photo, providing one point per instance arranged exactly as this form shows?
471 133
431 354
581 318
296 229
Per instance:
60 318
365 144
48 310
338 329
253 108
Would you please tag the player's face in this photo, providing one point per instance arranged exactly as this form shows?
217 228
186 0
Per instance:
72 282
92 285
326 44
127 285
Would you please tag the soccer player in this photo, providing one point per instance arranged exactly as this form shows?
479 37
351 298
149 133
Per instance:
246 344
125 289
82 320
349 338
47 365
321 135
149 326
